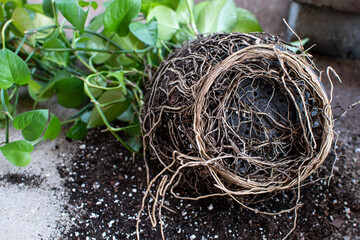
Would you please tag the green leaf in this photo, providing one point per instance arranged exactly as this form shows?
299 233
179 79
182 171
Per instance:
98 43
119 15
199 9
227 17
116 103
41 20
73 13
126 116
47 7
130 42
18 152
2 13
35 8
147 5
70 92
246 22
216 16
145 32
32 123
119 76
18 3
98 81
182 12
33 89
13 70
134 143
5 106
22 21
167 21
53 128
78 131
61 58
135 130
181 36
96 23
296 45
45 91
93 4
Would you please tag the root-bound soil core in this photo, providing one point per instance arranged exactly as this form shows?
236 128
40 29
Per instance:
238 113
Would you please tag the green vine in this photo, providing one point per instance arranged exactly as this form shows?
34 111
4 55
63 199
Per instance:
98 69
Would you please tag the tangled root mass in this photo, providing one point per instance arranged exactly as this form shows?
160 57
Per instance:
239 112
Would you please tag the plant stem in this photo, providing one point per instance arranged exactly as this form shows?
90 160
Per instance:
62 35
14 92
192 19
68 121
78 114
93 50
74 71
21 43
30 56
71 27
3 102
39 77
3 32
122 142
16 99
102 115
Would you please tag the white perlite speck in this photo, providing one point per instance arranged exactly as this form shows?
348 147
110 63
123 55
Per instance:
111 223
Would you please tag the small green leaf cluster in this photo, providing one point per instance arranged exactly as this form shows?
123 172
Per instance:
96 66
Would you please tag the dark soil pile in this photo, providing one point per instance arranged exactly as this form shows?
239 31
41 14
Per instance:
106 188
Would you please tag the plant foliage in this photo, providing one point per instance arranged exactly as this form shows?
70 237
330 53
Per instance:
97 68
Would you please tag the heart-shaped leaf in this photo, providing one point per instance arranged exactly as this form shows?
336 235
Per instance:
246 22
18 152
145 32
167 21
53 129
61 58
39 21
216 16
73 13
22 20
32 123
182 11
227 17
117 104
47 7
13 69
119 14
70 92
147 5
78 131
98 43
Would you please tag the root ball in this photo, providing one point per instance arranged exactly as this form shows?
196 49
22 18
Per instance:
240 112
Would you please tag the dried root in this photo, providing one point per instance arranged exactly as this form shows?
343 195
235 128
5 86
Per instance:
237 113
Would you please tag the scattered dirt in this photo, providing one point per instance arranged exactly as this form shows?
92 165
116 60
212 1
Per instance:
107 186
30 180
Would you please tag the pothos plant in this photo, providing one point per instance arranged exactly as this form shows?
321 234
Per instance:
97 69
